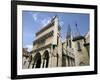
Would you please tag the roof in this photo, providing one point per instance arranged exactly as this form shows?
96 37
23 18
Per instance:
50 24
78 38
43 37
45 28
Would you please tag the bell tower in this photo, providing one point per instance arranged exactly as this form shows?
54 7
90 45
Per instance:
78 39
69 37
68 55
81 55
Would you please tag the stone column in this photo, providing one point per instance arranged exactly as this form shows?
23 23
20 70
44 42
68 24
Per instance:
50 60
41 62
50 57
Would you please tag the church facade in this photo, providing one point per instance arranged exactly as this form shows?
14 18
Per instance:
49 51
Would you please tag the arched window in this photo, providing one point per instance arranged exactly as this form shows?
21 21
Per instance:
45 59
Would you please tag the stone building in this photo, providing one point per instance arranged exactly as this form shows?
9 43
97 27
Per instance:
68 56
75 49
47 48
26 58
50 51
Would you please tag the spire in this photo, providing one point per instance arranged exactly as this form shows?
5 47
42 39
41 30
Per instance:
77 34
68 31
53 18
77 30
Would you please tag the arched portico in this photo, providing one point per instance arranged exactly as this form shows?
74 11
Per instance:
37 61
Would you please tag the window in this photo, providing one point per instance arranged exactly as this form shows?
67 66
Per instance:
70 43
67 42
57 59
42 42
78 45
57 40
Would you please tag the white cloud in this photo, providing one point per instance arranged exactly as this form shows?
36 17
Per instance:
61 23
29 47
45 21
35 16
33 35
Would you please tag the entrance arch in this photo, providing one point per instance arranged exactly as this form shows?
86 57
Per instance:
45 59
37 61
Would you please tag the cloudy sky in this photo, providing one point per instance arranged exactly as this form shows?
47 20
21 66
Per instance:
33 21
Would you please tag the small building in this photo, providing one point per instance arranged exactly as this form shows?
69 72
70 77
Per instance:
26 58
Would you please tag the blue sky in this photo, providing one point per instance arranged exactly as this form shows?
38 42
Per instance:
33 21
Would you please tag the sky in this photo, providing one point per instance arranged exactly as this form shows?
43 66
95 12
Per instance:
33 21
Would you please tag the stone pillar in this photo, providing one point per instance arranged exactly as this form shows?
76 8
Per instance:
49 63
50 57
35 65
54 57
54 61
41 62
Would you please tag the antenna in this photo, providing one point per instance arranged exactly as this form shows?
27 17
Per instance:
78 33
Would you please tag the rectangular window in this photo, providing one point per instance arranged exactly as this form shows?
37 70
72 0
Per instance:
67 42
70 43
78 45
